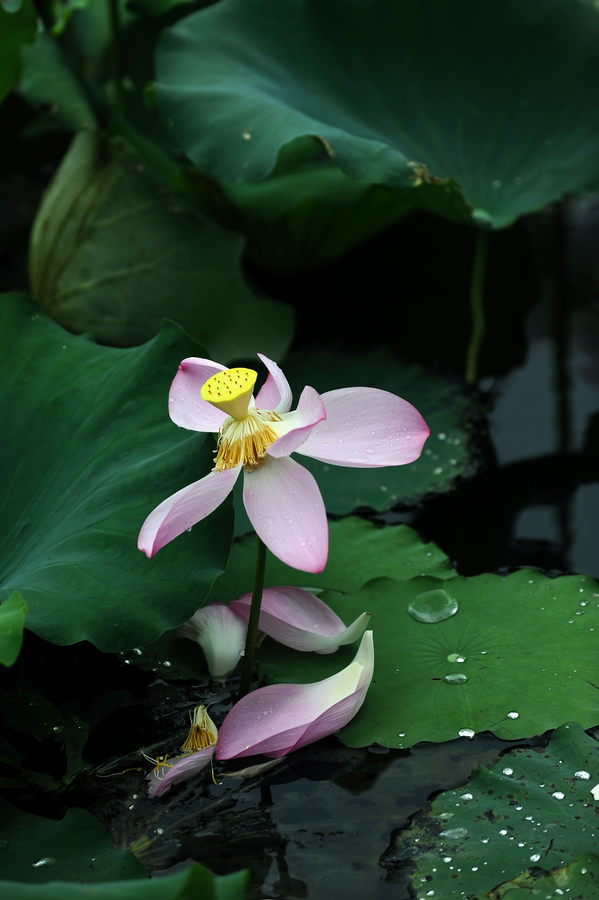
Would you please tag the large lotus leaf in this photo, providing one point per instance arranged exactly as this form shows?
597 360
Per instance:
49 80
112 255
517 658
193 883
402 93
358 552
17 28
75 848
88 451
533 810
12 618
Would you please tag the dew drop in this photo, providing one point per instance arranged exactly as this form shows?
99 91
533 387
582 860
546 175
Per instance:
454 833
433 606
535 857
507 771
44 861
584 776
466 796
558 795
456 678
467 733
513 715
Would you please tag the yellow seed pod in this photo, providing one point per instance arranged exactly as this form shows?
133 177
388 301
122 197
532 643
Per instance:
230 391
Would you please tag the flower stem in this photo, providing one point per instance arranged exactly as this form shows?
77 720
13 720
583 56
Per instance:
254 619
477 307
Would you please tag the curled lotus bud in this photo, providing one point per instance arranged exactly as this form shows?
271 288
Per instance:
279 718
299 619
220 632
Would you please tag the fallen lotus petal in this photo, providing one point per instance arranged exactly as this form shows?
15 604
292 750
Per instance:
199 749
220 632
362 427
280 718
299 619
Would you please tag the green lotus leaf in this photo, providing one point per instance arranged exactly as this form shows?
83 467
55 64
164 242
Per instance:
112 254
358 552
89 451
12 618
517 658
409 94
513 827
18 23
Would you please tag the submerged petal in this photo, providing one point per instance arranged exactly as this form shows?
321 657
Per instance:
283 717
366 427
185 405
275 394
299 619
176 769
295 427
285 507
220 632
184 509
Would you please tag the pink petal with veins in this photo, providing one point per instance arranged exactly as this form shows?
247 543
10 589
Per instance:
181 768
366 427
185 405
285 507
184 509
299 619
280 718
275 394
297 425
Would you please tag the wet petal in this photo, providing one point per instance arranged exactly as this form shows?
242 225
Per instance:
184 509
297 425
185 405
283 717
275 394
163 777
366 427
220 632
285 507
299 619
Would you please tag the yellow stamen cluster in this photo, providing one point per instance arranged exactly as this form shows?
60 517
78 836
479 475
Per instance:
230 391
246 434
245 442
202 733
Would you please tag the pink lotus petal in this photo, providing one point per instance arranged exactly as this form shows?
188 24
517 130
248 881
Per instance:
162 778
366 427
184 509
185 405
301 620
220 632
275 394
280 718
285 507
297 425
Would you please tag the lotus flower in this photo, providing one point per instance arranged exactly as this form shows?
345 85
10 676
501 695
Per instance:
359 426
299 619
277 719
198 751
220 632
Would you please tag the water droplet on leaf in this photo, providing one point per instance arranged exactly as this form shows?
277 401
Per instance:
433 606
456 678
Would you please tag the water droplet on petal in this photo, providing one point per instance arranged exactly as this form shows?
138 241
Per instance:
433 606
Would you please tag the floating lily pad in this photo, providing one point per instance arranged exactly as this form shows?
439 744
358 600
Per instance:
75 848
531 814
358 552
405 93
89 452
112 254
526 643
